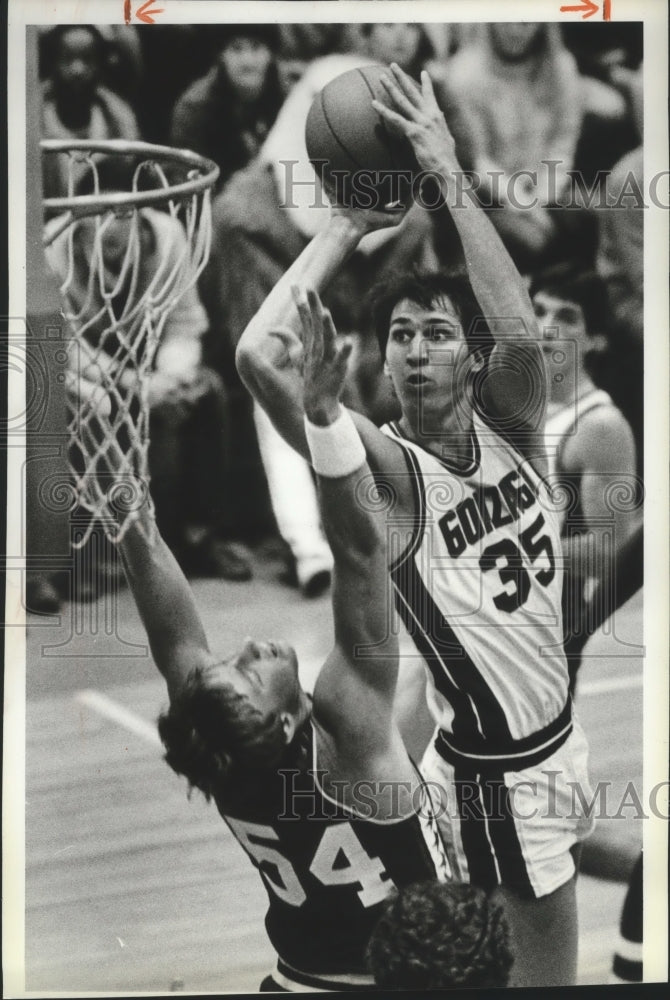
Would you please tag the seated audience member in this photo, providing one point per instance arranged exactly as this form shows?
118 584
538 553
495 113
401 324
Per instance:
525 103
75 104
188 406
226 114
435 936
262 221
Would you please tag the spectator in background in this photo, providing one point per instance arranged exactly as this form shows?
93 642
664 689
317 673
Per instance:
525 103
75 104
408 45
620 262
226 114
188 406
438 936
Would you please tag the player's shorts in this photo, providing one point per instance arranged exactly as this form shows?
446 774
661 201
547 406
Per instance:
286 979
514 828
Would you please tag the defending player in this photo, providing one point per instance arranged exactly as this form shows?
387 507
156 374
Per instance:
319 792
476 560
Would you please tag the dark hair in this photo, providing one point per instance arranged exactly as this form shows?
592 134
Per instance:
582 286
435 935
210 732
223 34
425 49
423 288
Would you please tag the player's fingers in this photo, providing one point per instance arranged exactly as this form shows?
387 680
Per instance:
344 349
304 312
407 85
396 121
400 100
329 335
316 312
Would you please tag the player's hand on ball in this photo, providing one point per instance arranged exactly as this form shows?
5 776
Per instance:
366 220
324 358
416 115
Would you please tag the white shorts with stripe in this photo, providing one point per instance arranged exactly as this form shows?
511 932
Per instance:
513 827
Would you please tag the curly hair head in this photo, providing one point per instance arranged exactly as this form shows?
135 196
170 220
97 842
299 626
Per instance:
211 731
434 935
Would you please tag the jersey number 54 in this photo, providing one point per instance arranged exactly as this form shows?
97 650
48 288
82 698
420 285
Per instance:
337 841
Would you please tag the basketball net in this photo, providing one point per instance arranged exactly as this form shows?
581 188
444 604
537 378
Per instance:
117 315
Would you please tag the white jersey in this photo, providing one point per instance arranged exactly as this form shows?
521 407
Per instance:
561 425
479 590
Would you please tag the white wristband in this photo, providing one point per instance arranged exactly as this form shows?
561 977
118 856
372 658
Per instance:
337 449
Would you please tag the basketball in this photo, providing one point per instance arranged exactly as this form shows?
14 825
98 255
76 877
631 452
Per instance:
363 159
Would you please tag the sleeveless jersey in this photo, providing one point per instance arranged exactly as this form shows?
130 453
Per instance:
478 589
328 870
560 426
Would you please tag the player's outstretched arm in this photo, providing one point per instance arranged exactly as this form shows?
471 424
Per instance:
354 693
162 594
269 353
165 603
516 370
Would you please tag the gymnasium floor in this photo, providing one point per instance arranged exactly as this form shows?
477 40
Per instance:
129 886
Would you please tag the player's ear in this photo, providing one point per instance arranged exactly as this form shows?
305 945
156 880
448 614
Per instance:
478 362
288 725
387 370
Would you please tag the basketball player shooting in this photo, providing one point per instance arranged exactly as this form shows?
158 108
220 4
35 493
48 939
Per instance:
477 574
319 791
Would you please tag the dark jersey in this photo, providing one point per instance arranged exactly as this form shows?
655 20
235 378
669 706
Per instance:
327 869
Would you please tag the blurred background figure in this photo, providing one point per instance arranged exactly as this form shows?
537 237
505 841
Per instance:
75 102
439 936
226 114
301 43
590 445
620 262
524 101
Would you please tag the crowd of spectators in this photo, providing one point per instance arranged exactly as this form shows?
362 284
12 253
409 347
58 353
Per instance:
538 113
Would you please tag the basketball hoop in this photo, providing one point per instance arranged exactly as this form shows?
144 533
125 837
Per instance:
118 284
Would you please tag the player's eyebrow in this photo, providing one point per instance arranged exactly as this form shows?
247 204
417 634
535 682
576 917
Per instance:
447 318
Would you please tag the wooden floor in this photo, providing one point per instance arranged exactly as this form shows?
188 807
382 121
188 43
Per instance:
129 886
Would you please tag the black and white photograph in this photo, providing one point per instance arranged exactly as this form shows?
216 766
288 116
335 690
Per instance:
337 547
